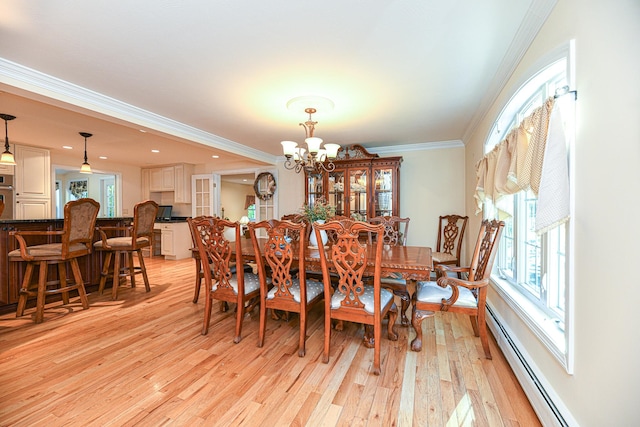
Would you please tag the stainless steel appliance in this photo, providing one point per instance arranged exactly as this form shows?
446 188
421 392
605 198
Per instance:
6 195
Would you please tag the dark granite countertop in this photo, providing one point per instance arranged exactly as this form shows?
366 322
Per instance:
173 219
46 220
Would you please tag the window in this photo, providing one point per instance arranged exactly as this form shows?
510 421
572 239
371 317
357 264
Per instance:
531 271
251 212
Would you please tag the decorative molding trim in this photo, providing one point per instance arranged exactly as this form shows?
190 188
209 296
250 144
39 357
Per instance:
545 401
33 81
436 145
534 19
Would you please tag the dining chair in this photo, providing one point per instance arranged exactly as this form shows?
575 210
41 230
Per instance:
396 230
75 238
195 253
137 236
354 300
222 283
455 295
449 245
280 289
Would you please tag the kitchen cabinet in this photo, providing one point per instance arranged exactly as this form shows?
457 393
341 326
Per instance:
6 169
32 183
144 182
176 179
362 184
175 240
162 179
182 183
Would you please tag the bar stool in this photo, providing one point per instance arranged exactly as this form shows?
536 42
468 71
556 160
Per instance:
76 237
140 235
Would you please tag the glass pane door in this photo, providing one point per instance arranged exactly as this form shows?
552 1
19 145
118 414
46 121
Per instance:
383 192
336 191
358 193
315 190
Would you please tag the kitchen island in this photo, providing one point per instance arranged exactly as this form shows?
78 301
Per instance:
12 273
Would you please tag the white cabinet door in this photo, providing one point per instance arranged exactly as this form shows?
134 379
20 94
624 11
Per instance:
167 247
162 179
33 173
182 193
176 241
33 209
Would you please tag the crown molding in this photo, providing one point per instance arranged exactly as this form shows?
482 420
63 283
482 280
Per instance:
436 145
534 19
33 81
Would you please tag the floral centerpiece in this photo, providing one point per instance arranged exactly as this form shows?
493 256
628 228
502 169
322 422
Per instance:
320 211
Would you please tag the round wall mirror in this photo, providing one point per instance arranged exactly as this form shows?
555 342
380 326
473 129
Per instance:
265 186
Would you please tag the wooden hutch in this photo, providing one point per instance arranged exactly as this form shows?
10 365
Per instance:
362 183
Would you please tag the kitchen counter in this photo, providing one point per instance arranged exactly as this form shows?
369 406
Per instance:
61 220
11 273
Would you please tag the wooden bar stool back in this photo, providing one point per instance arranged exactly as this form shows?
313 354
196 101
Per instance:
75 241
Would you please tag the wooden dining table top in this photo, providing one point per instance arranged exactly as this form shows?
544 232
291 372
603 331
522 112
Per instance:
412 262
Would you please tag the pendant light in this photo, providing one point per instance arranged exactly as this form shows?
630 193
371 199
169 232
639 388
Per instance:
7 157
85 168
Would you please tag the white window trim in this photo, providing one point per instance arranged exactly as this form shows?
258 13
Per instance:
531 315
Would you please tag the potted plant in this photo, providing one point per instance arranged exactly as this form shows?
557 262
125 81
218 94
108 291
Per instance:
320 211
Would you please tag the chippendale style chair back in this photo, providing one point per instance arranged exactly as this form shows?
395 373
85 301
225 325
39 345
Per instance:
461 296
396 229
75 241
449 245
279 289
354 300
137 236
223 281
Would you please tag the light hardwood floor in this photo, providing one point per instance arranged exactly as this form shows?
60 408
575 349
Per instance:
141 360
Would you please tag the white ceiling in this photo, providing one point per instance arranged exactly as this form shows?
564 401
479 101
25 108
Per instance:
216 75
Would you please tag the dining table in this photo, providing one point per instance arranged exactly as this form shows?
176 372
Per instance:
398 262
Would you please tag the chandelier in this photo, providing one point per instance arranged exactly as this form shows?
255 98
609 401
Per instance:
313 159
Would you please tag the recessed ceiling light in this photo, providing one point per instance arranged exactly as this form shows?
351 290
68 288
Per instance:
143 131
215 157
245 180
67 147
155 151
103 157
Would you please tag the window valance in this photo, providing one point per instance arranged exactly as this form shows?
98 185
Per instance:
532 156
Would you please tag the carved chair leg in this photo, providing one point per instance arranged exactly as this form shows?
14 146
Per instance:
105 271
404 304
416 321
474 325
391 325
369 340
131 269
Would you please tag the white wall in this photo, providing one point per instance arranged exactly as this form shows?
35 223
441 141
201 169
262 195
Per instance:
603 389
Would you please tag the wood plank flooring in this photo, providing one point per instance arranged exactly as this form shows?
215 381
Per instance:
141 360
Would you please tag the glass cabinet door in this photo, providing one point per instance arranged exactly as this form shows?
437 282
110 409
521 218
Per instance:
383 191
315 190
358 193
336 191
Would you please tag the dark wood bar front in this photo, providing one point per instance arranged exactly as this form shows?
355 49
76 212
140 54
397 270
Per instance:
12 273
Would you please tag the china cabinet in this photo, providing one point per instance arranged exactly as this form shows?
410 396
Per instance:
362 185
